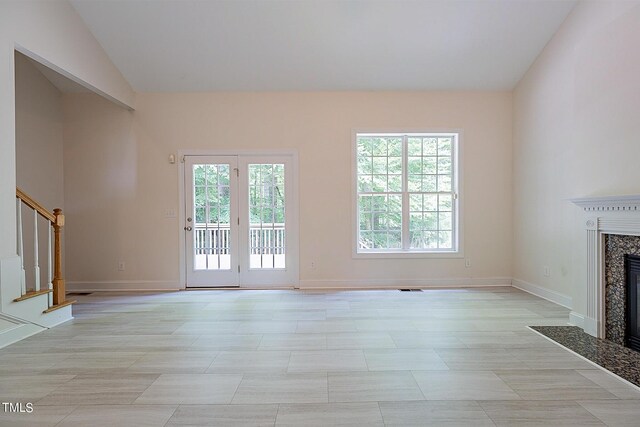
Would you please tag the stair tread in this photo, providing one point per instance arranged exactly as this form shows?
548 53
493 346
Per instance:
58 306
32 294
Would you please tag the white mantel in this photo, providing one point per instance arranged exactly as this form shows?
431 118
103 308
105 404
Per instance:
609 203
604 215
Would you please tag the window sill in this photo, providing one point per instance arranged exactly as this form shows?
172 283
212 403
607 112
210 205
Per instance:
408 255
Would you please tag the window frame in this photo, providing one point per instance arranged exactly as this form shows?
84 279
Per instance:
457 180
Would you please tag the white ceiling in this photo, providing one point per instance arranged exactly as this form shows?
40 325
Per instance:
273 45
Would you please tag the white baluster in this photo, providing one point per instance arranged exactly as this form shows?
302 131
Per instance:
49 265
23 275
36 255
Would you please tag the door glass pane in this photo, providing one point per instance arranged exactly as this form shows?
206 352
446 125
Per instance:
211 226
266 216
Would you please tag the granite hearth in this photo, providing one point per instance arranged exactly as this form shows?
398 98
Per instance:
615 358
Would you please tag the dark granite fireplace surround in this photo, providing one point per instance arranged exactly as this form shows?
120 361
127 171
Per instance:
616 247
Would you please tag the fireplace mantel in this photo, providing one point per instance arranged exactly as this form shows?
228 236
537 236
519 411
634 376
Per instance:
605 215
609 203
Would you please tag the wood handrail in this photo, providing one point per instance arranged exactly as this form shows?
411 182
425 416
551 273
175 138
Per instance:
35 205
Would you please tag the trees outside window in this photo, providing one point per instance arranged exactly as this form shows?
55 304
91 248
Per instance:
406 192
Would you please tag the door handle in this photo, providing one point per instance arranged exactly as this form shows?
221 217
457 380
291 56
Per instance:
188 228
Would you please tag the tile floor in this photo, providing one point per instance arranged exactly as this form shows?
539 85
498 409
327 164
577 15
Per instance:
264 358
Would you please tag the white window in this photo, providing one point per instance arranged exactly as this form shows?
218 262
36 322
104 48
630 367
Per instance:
406 193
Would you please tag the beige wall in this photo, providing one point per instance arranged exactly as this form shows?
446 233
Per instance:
39 154
52 31
39 167
118 182
576 133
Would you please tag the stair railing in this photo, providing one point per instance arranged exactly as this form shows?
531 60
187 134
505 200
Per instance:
55 221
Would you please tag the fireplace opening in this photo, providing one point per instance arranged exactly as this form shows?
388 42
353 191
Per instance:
632 332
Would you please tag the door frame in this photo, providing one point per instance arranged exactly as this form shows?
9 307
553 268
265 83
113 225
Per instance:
294 259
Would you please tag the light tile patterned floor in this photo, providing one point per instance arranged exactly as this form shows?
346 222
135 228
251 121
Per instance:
439 357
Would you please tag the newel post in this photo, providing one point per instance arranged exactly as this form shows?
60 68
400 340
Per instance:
59 293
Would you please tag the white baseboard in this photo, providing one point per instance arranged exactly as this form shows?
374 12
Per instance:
13 330
402 283
156 285
576 319
123 285
544 293
591 326
153 285
19 333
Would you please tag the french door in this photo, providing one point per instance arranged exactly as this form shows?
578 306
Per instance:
240 221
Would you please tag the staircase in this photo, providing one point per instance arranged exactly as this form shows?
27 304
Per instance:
28 308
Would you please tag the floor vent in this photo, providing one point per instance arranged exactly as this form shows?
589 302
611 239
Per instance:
79 293
410 290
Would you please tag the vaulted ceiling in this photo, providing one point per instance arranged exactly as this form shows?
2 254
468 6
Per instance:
274 45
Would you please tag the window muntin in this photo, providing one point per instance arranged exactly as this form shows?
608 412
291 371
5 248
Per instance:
212 205
406 192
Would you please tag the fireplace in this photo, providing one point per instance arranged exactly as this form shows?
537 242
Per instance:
612 227
632 330
617 249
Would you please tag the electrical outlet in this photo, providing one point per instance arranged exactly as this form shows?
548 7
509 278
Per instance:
546 271
120 265
313 265
467 263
